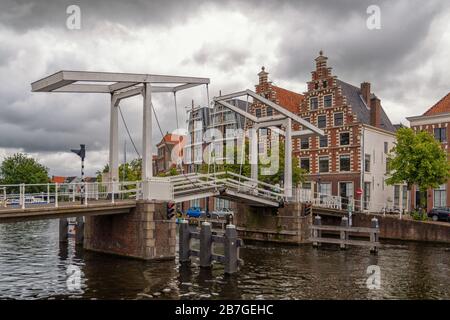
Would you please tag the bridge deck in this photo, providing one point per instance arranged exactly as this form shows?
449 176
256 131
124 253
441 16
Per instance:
65 209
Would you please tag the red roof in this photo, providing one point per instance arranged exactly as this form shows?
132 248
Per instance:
58 179
171 138
442 106
288 99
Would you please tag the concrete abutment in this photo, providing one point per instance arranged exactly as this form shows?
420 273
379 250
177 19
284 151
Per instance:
144 233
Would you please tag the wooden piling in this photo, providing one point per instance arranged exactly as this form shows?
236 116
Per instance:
184 242
374 236
344 233
205 245
79 231
63 229
231 249
317 233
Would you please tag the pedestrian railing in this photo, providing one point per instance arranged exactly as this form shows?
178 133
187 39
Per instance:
231 243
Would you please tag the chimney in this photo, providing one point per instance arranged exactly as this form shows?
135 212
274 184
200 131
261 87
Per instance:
365 92
375 112
263 75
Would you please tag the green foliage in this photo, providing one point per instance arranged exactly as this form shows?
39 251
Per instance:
245 168
130 171
19 168
419 215
417 159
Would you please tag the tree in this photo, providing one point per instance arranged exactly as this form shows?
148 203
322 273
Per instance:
417 159
19 168
132 171
245 168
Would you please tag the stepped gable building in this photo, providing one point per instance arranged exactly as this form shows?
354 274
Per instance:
436 121
358 136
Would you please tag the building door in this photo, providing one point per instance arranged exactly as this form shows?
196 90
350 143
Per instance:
324 191
345 192
421 196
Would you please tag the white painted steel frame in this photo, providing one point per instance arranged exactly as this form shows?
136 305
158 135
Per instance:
120 86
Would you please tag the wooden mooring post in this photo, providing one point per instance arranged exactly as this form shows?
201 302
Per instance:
231 244
344 231
63 229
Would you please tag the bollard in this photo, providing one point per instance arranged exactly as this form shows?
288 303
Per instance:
79 231
63 229
344 234
231 249
184 239
205 245
317 233
374 236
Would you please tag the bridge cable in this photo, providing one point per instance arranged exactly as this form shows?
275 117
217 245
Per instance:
128 132
167 147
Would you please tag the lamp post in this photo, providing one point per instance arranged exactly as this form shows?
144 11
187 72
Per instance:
82 153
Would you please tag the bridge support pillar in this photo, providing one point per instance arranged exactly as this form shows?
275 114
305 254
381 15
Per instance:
63 229
282 225
144 233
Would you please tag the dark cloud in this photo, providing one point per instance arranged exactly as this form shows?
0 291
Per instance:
401 60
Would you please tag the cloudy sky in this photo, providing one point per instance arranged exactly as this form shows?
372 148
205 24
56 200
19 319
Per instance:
407 60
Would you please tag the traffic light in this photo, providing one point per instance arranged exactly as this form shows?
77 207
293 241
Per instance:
170 210
308 209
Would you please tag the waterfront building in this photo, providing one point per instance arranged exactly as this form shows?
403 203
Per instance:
352 156
436 121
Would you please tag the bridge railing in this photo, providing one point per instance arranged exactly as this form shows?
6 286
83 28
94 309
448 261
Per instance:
343 203
27 195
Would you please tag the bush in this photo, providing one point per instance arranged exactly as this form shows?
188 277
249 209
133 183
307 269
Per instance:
419 215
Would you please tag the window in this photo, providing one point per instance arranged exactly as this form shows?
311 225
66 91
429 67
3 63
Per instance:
344 138
344 163
440 134
338 119
304 143
440 198
316 86
324 84
323 141
263 132
396 196
258 113
405 197
387 165
386 150
304 164
327 101
307 120
323 164
324 191
269 111
367 162
314 103
322 121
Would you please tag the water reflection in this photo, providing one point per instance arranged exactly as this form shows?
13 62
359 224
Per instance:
33 265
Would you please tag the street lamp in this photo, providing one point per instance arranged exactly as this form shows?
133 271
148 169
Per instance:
82 153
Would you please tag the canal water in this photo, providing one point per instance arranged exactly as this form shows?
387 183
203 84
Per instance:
34 266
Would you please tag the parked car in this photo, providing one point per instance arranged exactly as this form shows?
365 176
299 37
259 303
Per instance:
439 214
221 213
195 212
